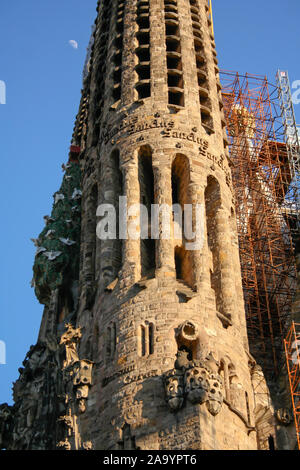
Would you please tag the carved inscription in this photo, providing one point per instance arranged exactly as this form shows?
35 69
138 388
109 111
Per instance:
121 372
132 126
129 378
129 127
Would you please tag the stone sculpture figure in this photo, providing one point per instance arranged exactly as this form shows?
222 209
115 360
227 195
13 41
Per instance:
70 340
174 389
150 133
196 384
197 380
215 394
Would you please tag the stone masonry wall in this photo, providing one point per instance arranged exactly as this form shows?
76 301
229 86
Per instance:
155 354
137 320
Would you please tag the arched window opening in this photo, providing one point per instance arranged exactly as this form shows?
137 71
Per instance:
212 204
180 180
183 266
143 89
175 188
146 182
151 338
146 339
143 340
117 184
178 263
180 195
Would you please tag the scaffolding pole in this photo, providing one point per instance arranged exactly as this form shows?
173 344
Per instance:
290 133
266 196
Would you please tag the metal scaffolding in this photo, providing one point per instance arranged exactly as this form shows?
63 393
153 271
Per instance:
291 133
266 191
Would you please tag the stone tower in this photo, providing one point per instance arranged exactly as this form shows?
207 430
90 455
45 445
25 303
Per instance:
143 342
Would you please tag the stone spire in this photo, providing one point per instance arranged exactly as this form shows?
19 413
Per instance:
154 352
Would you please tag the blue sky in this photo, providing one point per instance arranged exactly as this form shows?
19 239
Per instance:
42 73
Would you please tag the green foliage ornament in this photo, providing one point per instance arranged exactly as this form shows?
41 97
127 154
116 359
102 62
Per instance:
57 258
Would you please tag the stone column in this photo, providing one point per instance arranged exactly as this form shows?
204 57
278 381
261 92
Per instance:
131 269
159 86
111 189
165 259
129 94
197 199
223 240
90 237
191 87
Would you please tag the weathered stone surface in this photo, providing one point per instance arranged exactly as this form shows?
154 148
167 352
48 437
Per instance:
143 343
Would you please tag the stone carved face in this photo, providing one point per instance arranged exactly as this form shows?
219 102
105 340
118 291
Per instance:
215 394
174 391
197 385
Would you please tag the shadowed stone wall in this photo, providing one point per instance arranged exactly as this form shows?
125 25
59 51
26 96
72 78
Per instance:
155 354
